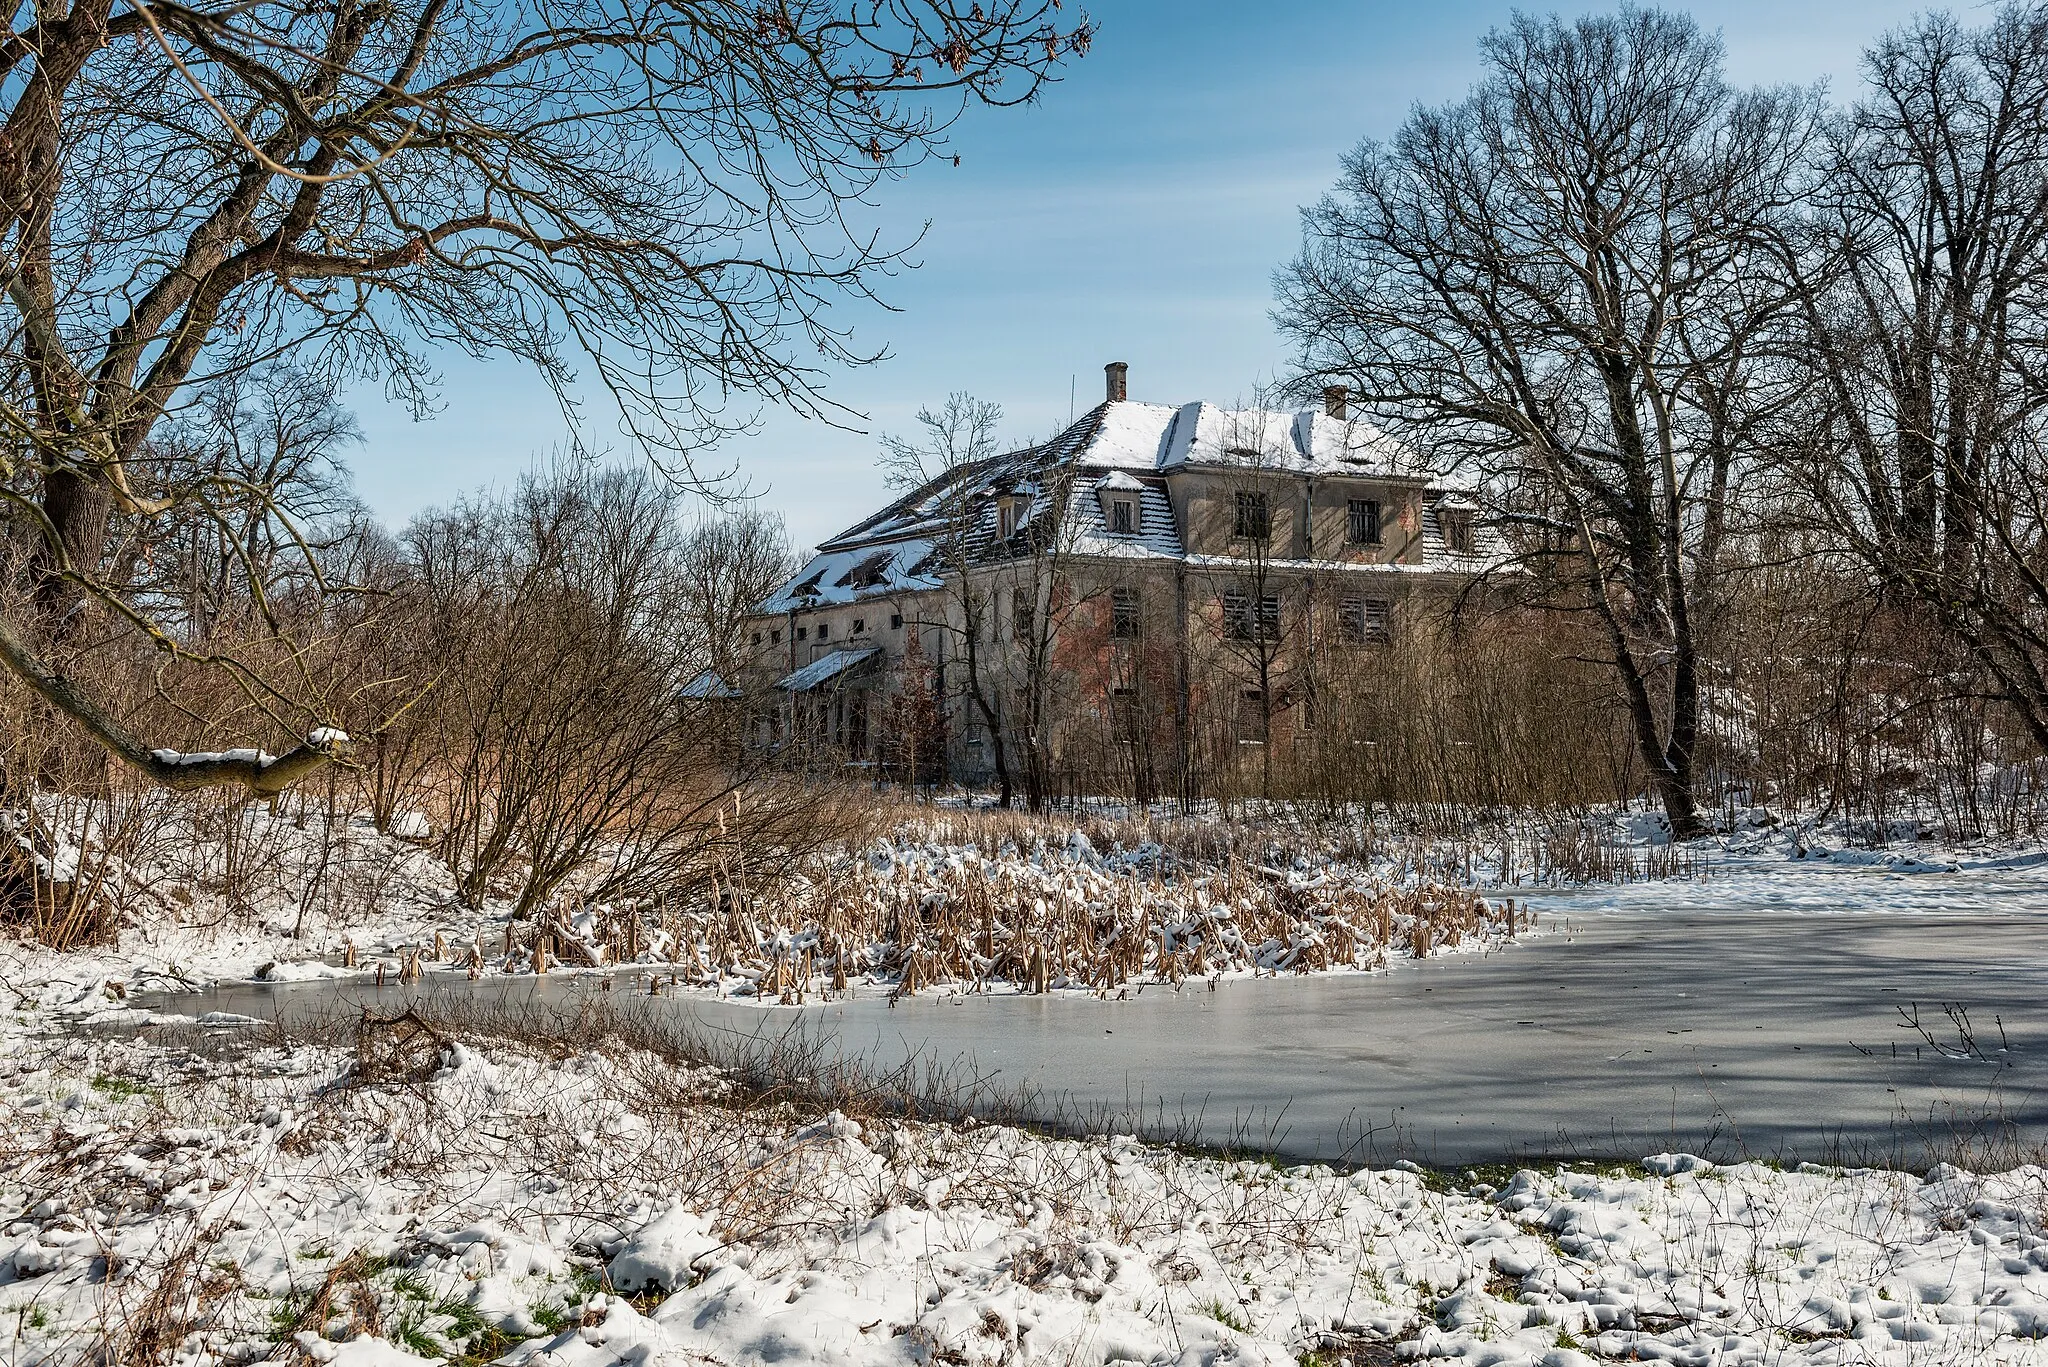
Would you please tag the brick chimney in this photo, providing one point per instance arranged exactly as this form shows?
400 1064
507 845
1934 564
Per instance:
1113 380
1335 399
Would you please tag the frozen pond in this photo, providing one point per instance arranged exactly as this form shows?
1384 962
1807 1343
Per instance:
1755 1012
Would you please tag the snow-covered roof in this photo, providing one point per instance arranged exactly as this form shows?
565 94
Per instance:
826 668
1120 446
856 572
706 687
1157 437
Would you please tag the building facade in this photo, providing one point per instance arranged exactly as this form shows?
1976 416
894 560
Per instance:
1157 592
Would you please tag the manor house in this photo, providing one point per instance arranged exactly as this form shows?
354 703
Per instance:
1156 587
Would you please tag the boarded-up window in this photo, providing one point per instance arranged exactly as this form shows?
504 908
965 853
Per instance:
1242 622
1366 620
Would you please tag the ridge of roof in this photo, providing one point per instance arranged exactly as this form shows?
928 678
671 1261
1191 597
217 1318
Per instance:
1075 434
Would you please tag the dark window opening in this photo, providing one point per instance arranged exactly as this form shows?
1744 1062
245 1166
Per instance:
802 632
823 631
895 621
1022 611
1254 515
1362 518
869 572
775 638
757 638
1458 533
1123 614
860 624
1123 516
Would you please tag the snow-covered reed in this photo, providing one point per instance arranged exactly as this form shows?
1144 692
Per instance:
919 911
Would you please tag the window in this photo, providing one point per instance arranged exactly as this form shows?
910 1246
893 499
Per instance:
1458 533
1362 620
802 632
1123 515
1239 622
775 637
1251 717
757 638
860 624
1362 522
823 631
895 621
1123 614
1254 515
1022 605
1008 513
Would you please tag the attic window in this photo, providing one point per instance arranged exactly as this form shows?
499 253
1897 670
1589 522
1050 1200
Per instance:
1457 532
1362 522
1123 515
1254 520
1009 513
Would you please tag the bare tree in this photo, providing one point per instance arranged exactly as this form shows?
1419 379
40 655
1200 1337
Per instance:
730 562
950 459
653 200
1923 339
1548 279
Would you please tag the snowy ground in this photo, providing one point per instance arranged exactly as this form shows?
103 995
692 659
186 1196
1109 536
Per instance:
179 1199
607 1207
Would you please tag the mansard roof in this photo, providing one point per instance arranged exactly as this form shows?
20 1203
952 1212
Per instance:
1119 444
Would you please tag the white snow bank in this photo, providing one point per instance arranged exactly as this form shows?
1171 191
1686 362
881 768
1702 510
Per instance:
661 1254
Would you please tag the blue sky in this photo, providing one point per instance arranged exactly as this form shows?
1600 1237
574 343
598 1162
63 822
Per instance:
1135 214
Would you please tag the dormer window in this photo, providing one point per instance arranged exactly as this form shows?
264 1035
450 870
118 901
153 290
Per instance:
1009 515
1123 509
1457 532
1254 520
1362 522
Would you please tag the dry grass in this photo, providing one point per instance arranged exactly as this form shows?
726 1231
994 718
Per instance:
975 901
